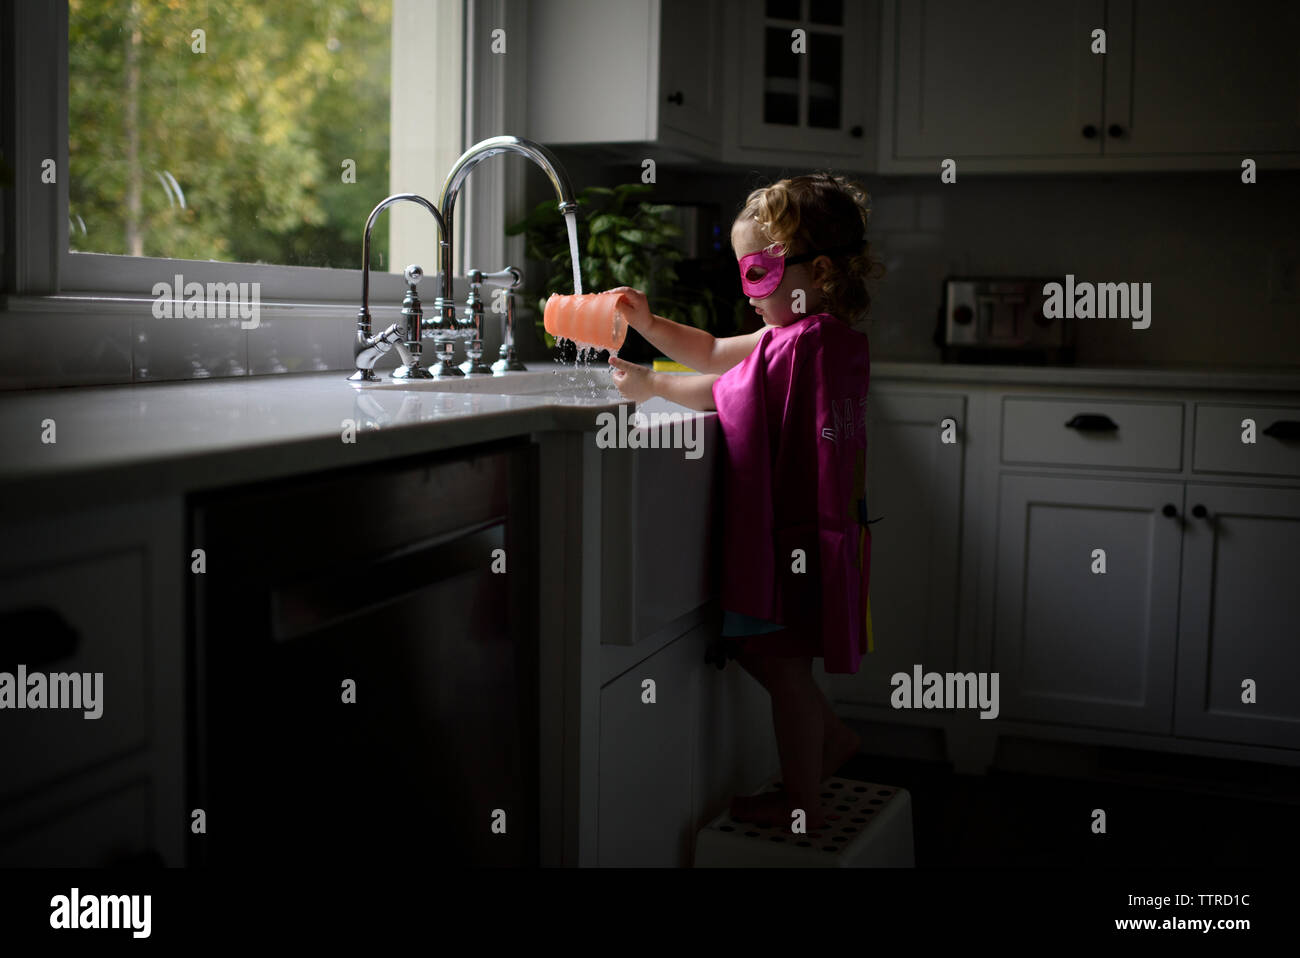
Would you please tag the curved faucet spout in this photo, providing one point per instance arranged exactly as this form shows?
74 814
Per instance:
370 223
471 158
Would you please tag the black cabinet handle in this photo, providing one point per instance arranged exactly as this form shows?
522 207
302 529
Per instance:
1284 429
1090 132
856 132
676 98
35 635
1115 131
1199 511
1092 422
1170 510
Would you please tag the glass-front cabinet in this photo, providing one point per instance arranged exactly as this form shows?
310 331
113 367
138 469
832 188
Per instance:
807 75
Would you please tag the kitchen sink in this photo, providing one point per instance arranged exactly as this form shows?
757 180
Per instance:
591 383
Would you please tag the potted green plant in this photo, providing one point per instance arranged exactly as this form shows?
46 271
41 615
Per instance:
623 241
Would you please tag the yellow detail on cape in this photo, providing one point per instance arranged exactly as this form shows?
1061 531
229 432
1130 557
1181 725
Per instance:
862 545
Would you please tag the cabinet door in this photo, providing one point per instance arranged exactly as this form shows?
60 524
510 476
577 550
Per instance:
591 71
645 760
1007 78
111 830
690 95
669 768
95 592
1077 646
1239 609
1197 76
820 100
658 570
914 487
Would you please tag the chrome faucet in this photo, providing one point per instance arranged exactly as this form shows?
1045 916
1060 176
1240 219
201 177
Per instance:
404 336
445 305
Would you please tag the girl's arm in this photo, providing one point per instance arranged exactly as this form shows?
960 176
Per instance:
697 349
687 345
693 390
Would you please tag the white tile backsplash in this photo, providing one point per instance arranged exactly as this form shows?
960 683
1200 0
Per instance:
88 350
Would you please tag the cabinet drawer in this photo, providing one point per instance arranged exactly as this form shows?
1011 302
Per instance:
79 617
1219 447
1085 432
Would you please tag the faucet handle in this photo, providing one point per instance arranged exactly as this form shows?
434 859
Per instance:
510 277
413 274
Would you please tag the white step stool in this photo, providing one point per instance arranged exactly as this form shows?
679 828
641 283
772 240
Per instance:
868 826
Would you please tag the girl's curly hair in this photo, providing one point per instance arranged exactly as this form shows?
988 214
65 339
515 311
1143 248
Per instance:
822 211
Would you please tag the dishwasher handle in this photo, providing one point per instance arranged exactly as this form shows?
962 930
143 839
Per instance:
306 606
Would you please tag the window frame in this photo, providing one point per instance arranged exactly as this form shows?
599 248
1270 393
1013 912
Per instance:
41 273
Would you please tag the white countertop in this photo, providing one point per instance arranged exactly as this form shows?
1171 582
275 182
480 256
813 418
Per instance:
1282 380
167 438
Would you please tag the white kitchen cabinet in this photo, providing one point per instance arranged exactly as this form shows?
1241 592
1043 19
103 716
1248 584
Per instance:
801 98
1222 427
1015 87
667 768
1201 76
1092 433
1239 610
914 485
1073 644
664 518
95 591
636 71
645 759
82 618
1013 79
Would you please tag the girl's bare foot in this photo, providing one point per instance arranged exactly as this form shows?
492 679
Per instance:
841 745
773 809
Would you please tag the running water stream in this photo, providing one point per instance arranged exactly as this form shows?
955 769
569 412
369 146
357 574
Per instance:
584 354
571 221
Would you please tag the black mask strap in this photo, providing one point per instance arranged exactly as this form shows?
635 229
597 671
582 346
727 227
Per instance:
834 251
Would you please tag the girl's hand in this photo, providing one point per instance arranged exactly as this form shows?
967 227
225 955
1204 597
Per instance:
638 316
633 381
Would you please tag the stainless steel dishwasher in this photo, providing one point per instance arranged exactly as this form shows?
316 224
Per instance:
364 685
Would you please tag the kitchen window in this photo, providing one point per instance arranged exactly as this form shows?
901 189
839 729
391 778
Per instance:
228 140
230 130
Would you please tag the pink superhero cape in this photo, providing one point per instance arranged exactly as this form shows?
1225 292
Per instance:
793 418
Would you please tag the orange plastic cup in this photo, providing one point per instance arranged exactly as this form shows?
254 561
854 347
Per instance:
589 319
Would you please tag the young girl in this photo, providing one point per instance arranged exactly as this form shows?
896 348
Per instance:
791 403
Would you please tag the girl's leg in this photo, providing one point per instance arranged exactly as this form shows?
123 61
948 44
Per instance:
839 742
797 716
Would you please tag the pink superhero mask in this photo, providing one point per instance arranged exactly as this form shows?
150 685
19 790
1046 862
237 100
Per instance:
761 272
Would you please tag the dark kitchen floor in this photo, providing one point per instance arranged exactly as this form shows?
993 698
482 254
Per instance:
1161 811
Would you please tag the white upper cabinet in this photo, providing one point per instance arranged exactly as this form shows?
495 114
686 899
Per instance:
632 71
1012 78
1015 85
1193 76
690 76
802 81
